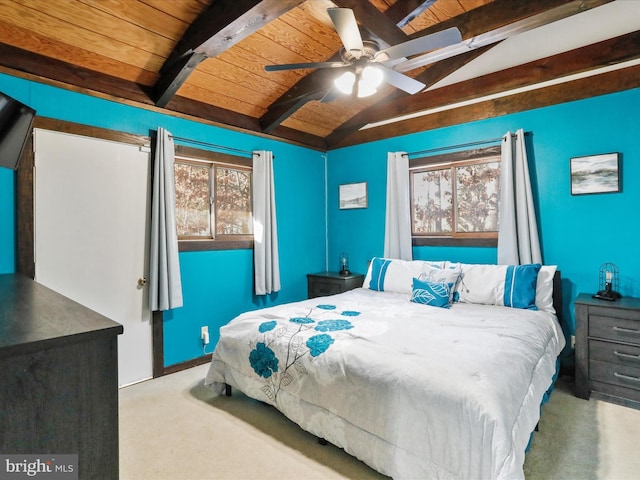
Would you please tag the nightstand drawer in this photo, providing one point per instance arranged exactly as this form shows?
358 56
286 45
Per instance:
615 353
608 349
323 284
320 288
617 329
621 375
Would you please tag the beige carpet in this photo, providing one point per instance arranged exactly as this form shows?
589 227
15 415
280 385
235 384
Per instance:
173 428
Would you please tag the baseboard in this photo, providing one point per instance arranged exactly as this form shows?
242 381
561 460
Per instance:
185 365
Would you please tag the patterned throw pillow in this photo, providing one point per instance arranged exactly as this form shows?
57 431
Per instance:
449 275
431 293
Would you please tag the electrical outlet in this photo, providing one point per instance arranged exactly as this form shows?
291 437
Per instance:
573 342
204 334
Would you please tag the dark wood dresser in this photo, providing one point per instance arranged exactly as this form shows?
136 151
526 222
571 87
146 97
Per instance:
329 283
608 349
58 378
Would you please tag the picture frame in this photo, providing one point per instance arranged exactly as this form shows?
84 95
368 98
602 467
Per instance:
595 174
352 195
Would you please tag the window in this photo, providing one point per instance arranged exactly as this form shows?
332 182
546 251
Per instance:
213 200
455 198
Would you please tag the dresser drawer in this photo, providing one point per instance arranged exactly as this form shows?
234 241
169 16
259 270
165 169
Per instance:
320 288
617 329
615 353
615 374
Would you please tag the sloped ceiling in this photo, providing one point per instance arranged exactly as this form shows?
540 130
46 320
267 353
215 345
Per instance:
206 59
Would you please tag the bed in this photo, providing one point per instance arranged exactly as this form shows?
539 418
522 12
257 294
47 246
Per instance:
431 370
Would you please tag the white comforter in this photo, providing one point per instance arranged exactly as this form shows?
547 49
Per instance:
414 391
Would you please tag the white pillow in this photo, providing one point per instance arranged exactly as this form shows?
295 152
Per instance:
508 285
393 275
544 289
483 284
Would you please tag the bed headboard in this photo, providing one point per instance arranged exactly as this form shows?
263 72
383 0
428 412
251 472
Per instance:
557 295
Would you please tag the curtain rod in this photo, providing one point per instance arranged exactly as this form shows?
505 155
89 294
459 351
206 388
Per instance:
206 144
470 144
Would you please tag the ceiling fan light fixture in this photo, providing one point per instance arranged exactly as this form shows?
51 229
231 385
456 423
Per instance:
345 82
373 76
365 89
369 81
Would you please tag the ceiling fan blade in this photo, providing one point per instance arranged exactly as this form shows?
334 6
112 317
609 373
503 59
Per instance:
427 43
331 95
345 22
401 81
298 66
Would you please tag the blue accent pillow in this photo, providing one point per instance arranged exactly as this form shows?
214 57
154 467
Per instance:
520 286
378 271
431 293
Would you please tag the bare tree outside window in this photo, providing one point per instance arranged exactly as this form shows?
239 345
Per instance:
193 194
233 202
477 188
213 200
432 206
456 195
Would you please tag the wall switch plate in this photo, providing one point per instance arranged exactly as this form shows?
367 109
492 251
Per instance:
573 342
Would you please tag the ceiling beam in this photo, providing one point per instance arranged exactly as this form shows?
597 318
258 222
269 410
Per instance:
598 55
39 68
518 24
311 87
173 76
492 19
580 89
478 21
398 11
221 26
32 66
374 24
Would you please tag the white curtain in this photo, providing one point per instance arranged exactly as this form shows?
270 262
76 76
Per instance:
518 241
397 230
265 232
165 285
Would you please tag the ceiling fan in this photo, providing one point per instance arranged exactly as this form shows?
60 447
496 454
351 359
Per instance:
366 65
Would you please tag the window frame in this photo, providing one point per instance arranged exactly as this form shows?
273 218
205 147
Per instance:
198 156
452 160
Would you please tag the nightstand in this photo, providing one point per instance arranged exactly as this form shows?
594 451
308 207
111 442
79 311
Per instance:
608 349
329 283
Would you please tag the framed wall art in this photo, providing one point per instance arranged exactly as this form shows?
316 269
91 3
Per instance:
352 195
595 174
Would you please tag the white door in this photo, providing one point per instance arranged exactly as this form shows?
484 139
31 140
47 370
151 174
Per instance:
91 234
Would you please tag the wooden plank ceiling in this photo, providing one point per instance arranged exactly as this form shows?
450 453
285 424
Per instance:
206 59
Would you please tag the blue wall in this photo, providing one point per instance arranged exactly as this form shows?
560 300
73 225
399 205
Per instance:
578 233
217 285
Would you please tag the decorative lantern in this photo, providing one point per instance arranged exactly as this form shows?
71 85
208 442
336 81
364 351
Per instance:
608 282
344 264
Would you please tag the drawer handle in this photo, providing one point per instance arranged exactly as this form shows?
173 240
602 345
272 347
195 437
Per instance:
626 330
626 355
626 377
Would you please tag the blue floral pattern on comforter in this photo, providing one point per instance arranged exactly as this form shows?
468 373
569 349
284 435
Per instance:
282 372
